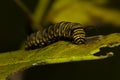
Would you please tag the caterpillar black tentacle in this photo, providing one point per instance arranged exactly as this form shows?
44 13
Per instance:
60 31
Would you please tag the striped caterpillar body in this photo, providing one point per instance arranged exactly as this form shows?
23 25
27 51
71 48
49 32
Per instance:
73 32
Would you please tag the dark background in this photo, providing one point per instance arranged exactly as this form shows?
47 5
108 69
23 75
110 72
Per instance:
13 34
13 24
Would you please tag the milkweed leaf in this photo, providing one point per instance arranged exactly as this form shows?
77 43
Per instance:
58 52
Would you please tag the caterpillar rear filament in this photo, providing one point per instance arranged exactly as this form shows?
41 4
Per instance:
73 32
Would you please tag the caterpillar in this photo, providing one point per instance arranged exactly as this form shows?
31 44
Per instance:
69 31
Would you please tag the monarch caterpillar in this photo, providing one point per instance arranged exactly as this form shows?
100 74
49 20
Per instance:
73 32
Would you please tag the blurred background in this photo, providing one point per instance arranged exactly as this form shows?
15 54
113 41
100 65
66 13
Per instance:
103 15
14 24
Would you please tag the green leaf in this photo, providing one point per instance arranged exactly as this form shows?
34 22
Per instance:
58 52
